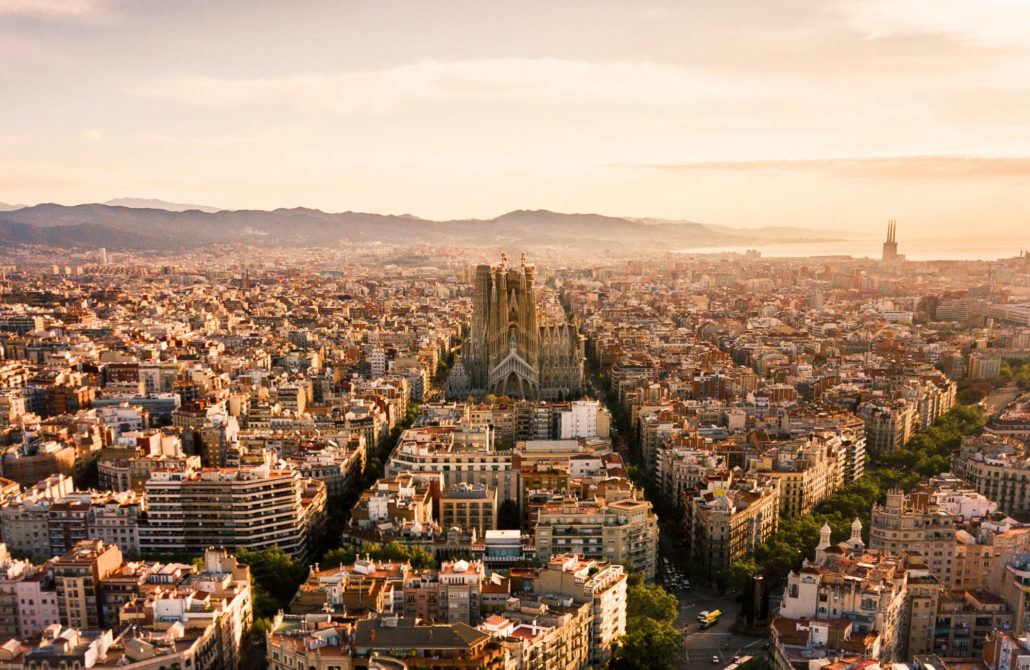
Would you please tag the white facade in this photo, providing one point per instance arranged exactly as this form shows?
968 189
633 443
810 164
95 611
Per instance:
580 420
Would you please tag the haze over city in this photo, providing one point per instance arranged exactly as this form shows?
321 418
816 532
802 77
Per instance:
819 114
496 335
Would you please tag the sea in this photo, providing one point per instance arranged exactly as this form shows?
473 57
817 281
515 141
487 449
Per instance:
935 249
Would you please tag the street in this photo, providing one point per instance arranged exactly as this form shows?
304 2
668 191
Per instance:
699 646
1000 398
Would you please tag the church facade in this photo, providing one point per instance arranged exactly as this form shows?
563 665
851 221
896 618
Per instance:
507 351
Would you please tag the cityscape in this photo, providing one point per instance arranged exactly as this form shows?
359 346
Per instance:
422 457
353 335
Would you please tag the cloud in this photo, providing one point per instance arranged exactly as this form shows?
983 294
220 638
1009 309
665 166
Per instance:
514 81
988 23
55 10
903 167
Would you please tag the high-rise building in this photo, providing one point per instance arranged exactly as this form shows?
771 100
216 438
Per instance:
508 350
890 246
248 507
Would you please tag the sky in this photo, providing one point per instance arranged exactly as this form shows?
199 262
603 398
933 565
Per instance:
830 113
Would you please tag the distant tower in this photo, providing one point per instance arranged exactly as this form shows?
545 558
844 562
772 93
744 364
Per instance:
890 247
102 253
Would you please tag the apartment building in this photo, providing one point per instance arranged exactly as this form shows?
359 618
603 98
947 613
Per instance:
996 467
680 469
544 631
965 617
585 418
77 577
469 506
248 507
888 424
323 642
730 517
914 525
981 365
601 584
808 471
462 454
406 498
847 584
213 609
920 616
617 531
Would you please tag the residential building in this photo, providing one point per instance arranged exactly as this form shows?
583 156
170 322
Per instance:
617 531
730 517
469 506
248 507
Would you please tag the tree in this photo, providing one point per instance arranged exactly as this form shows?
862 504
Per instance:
651 601
648 644
508 516
739 573
927 453
275 571
391 551
650 640
264 604
337 557
252 649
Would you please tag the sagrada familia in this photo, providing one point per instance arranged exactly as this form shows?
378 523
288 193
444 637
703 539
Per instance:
507 353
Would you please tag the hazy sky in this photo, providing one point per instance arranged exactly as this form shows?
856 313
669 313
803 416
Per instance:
742 113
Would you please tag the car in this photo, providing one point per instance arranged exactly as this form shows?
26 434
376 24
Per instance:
715 660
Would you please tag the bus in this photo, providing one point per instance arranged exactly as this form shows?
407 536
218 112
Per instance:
707 618
737 663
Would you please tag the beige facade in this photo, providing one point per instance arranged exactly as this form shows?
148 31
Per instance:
997 468
599 583
623 530
898 527
729 519
77 576
809 471
866 589
468 507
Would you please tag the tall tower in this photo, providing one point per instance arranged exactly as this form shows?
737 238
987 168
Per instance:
507 351
890 247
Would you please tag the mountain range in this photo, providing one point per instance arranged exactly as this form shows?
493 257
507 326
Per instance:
163 226
154 203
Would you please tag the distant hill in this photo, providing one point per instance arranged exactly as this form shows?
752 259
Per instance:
153 203
121 227
4 207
